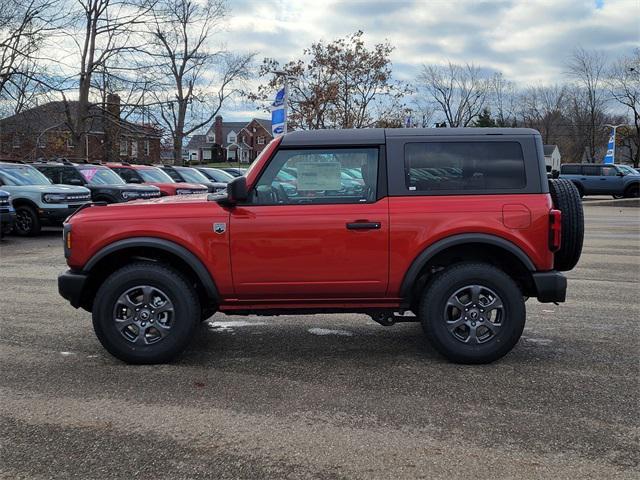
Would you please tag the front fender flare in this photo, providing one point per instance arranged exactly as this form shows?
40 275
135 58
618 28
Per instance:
168 246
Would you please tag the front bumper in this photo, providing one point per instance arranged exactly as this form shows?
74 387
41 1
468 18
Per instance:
71 285
550 286
57 215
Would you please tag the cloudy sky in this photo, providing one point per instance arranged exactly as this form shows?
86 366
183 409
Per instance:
528 40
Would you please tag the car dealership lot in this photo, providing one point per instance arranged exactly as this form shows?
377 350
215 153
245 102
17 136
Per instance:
334 396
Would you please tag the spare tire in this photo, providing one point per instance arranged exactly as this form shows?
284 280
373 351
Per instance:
566 198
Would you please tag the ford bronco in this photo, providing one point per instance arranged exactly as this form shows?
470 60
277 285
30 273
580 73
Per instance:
454 228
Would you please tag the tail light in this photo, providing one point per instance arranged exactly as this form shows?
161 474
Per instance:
555 230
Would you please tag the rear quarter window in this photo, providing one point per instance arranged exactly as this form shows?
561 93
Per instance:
571 169
460 166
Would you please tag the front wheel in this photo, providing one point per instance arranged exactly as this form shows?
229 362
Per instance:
27 223
145 313
473 313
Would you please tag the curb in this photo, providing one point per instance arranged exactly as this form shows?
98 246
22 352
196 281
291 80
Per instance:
623 202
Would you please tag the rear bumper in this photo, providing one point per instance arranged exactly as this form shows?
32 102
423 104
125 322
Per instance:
550 286
70 286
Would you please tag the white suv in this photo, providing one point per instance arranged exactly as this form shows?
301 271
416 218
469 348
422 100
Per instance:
36 200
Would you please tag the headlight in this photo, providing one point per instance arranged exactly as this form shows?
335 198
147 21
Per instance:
4 202
54 197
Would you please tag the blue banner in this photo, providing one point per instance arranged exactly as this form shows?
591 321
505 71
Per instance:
608 158
278 114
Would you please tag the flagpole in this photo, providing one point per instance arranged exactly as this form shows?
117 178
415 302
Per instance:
613 149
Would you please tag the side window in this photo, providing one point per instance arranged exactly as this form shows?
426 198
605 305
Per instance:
68 174
127 174
437 166
340 175
609 171
571 169
173 174
591 170
52 173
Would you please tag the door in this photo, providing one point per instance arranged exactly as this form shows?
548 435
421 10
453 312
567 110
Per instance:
611 183
307 233
591 179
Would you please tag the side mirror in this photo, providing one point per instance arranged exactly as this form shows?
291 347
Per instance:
134 180
76 181
237 190
621 174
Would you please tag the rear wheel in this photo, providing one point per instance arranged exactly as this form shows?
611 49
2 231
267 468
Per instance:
473 313
566 198
27 223
632 191
145 313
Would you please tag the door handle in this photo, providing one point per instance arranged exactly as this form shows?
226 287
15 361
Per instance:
603 179
364 226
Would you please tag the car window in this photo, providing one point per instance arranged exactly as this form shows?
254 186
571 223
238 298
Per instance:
315 177
173 174
22 175
128 174
627 170
218 175
192 175
154 174
591 170
68 174
101 176
436 166
609 171
570 169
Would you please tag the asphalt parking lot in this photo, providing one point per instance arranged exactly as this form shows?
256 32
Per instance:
334 396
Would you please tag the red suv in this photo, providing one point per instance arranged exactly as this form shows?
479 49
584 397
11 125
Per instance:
454 228
151 175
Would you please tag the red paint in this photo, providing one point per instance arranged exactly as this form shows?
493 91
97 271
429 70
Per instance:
167 189
303 256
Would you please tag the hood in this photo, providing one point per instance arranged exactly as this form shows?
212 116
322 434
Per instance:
45 189
191 186
127 187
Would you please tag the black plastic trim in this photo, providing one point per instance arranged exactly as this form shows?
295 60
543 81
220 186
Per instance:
550 286
428 253
70 286
168 246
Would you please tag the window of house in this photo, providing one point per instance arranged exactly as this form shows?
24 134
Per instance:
232 138
260 140
42 141
437 166
147 147
123 146
134 147
318 177
69 142
16 141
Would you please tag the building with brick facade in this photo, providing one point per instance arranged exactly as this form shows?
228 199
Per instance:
43 132
230 141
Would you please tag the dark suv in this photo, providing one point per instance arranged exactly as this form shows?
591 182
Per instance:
454 228
192 175
616 180
105 184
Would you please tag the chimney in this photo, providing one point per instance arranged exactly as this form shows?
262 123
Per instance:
217 130
112 128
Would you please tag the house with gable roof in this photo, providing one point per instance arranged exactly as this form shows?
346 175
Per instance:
230 141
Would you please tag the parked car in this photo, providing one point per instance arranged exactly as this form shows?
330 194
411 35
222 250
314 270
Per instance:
609 179
236 172
456 226
7 213
192 175
37 202
105 185
150 175
216 174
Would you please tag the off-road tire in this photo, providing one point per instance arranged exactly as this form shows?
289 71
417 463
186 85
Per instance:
566 198
178 290
27 223
632 191
434 303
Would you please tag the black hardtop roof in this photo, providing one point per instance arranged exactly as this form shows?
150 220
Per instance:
377 136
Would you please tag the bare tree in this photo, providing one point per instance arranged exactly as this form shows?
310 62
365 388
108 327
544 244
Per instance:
103 32
199 77
588 70
543 108
459 91
623 83
503 99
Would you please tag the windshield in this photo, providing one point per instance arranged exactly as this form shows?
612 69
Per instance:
154 174
22 175
192 175
627 170
218 175
101 176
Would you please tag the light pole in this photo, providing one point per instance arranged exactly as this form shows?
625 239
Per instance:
613 152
